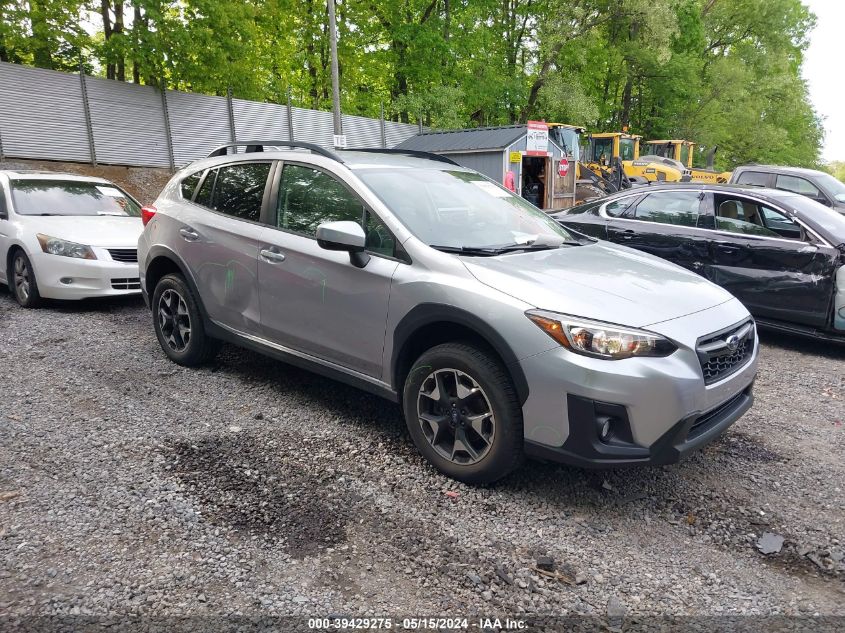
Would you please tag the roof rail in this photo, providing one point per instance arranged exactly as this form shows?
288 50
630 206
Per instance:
258 146
407 152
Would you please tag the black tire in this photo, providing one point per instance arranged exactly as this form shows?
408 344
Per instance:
496 456
190 348
22 282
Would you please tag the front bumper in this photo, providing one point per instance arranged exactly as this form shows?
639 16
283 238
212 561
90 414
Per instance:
70 278
587 450
659 409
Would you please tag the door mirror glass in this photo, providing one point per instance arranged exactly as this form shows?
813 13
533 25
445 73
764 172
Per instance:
342 235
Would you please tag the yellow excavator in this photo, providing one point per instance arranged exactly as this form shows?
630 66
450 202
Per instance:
683 151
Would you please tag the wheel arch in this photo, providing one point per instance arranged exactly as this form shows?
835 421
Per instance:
430 324
162 261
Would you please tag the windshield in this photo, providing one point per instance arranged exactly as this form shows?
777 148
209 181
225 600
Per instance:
460 209
817 213
834 186
69 197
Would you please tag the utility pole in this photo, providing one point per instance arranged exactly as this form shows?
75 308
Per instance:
339 138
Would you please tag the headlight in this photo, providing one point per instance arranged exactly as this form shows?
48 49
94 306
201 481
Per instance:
63 248
600 340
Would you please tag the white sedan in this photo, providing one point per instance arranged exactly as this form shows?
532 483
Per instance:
67 237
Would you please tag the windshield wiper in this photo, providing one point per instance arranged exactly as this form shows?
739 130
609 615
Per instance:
489 251
466 250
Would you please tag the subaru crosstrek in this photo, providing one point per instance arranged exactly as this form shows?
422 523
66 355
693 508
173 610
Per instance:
499 332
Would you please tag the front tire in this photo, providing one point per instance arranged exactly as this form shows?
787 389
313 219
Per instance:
463 413
178 323
22 281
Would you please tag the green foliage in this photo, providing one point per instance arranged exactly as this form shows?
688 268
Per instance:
722 73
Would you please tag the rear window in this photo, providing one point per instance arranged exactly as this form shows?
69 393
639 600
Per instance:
188 184
68 197
757 178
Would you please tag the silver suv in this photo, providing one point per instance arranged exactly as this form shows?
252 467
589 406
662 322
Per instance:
499 332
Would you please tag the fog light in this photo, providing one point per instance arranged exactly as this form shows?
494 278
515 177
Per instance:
66 280
604 427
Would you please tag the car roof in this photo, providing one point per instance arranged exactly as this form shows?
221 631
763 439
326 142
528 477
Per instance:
36 174
751 190
781 169
351 159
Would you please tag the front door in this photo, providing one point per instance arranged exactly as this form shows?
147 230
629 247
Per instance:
314 300
770 263
220 237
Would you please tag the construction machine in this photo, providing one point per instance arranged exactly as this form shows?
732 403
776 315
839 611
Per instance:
683 152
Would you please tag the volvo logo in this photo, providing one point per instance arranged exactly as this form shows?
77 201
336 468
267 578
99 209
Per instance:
732 342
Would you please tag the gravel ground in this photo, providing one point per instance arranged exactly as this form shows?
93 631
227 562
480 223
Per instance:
129 485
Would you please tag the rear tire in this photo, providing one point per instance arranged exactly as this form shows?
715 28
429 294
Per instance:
463 413
22 281
179 325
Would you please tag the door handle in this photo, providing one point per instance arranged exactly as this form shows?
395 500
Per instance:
272 256
189 234
627 234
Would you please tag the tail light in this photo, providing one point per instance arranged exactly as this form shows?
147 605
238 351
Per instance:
147 213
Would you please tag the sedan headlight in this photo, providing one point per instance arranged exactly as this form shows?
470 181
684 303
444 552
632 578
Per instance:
63 248
600 340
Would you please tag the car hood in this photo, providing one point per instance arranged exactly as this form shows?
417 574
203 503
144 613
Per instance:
600 281
92 230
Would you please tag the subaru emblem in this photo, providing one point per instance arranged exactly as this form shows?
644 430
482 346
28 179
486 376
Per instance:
732 342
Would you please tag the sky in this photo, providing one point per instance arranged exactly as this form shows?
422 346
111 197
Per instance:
822 70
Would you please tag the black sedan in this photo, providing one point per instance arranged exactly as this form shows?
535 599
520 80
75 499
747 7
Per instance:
780 253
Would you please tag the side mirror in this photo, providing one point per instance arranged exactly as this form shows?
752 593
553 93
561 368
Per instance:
344 236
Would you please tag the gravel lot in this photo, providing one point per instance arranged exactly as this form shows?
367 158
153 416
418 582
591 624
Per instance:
129 485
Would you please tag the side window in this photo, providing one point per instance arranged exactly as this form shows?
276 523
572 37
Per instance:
4 213
308 197
740 216
757 178
781 224
239 190
204 194
618 207
797 185
189 184
671 207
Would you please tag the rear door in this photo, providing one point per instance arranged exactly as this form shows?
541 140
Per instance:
670 224
314 300
770 262
219 236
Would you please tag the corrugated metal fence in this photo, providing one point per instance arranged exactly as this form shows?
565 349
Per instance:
50 115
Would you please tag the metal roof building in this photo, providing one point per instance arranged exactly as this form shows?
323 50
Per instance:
499 151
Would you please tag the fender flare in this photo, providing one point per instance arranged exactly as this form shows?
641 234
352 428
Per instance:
429 313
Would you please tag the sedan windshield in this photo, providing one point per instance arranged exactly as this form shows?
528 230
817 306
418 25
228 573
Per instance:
828 220
462 209
69 197
833 185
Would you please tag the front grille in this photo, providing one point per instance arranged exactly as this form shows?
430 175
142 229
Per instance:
127 255
725 352
126 283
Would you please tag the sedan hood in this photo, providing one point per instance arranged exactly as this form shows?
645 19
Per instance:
91 230
599 281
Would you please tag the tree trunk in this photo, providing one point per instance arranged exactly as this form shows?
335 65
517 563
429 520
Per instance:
138 23
105 7
118 30
625 114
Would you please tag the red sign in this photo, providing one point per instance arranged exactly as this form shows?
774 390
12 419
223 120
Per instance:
563 167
